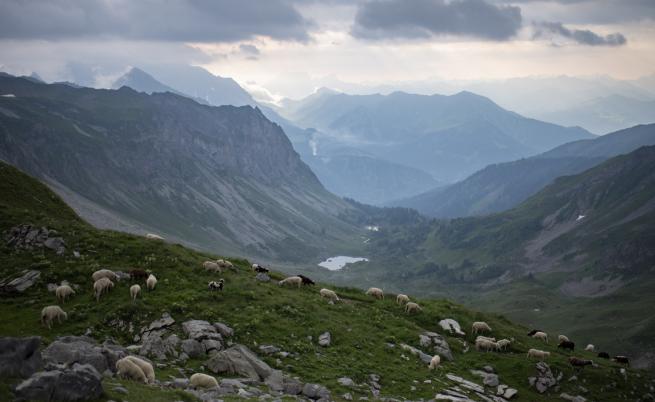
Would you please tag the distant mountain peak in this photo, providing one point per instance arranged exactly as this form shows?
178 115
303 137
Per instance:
141 81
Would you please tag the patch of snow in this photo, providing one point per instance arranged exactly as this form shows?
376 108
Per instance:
8 96
580 217
373 228
338 262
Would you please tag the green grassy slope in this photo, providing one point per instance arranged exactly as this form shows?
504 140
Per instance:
260 313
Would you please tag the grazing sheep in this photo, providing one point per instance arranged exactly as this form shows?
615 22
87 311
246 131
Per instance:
153 236
412 307
306 280
212 266
375 292
126 368
579 363
541 335
200 380
540 354
259 269
49 313
434 362
486 345
566 345
503 344
621 359
590 348
480 326
151 282
603 355
402 299
534 331
562 338
292 280
104 273
486 338
134 291
329 294
138 274
145 366
62 292
213 285
101 286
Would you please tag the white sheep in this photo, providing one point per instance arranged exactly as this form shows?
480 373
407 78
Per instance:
562 338
486 338
541 335
292 280
590 348
152 236
134 291
200 380
62 292
102 286
402 299
126 368
503 344
104 273
486 345
49 313
434 362
145 366
211 266
480 326
329 294
375 292
225 264
412 307
540 354
151 282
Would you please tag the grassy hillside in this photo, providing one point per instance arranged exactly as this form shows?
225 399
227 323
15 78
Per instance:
261 313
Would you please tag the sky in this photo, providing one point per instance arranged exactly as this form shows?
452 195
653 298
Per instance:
288 48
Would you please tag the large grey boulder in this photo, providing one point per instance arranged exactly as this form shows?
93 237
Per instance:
544 378
200 330
154 345
240 360
20 357
192 348
82 382
223 329
21 283
84 350
425 358
315 391
438 344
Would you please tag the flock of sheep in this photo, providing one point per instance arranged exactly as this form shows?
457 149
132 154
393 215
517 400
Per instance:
138 369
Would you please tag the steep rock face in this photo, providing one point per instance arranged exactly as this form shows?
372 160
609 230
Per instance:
222 178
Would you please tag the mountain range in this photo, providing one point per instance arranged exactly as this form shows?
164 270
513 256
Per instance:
219 178
502 186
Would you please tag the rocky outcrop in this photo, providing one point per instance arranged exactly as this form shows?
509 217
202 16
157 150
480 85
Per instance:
20 357
437 343
156 339
239 360
544 378
21 283
84 350
81 382
29 237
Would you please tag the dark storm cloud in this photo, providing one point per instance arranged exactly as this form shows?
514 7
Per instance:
180 20
582 36
382 19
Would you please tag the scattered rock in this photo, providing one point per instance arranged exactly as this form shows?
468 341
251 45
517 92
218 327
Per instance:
325 339
572 398
488 379
292 386
238 359
425 358
347 396
21 283
121 390
82 382
268 349
315 391
510 393
488 369
263 277
346 382
28 237
52 287
544 378
192 348
223 329
451 326
200 330
439 344
465 383
164 322
20 357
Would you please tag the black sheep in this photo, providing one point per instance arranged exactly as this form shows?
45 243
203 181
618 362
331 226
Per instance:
306 280
622 359
578 363
259 269
566 345
138 274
